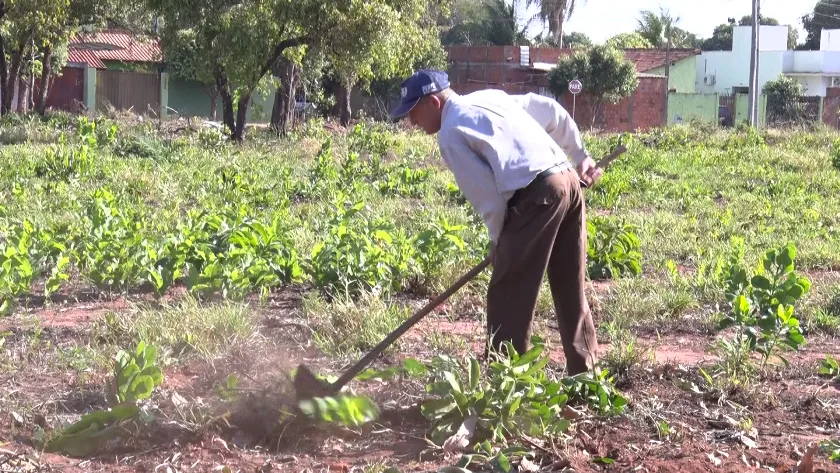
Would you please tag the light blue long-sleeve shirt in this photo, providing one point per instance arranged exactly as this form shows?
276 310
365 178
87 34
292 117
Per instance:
495 143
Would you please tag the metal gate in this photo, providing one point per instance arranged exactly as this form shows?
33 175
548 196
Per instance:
726 110
135 91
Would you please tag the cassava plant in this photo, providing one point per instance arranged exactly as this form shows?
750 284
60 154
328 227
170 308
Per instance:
762 306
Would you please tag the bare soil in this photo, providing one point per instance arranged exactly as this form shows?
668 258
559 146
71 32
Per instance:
195 430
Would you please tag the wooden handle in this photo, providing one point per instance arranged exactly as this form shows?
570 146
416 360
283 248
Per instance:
378 349
605 161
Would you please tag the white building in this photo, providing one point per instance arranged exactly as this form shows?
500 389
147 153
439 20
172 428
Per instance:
728 72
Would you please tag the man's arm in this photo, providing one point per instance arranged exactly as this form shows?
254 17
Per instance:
474 177
557 123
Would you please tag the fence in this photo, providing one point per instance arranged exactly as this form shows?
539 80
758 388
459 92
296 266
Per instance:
139 92
799 111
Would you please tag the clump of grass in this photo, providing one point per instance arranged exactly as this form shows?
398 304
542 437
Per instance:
348 326
623 354
182 328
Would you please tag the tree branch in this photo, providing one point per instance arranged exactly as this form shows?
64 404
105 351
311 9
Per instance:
278 51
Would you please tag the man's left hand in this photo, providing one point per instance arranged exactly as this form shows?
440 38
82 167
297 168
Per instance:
588 172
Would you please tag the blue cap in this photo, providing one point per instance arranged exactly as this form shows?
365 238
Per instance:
422 83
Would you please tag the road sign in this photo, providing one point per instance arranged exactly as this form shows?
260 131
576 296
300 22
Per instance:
575 87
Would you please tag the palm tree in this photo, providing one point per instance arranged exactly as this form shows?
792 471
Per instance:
657 27
556 12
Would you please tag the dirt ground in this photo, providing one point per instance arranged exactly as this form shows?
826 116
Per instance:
196 431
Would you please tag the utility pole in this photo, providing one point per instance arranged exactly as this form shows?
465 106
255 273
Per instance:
754 56
667 72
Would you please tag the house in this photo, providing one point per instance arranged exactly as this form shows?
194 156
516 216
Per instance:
522 69
728 72
127 72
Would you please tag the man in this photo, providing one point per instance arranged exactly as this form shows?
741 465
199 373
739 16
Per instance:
509 157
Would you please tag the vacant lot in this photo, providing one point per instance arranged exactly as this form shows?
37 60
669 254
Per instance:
164 283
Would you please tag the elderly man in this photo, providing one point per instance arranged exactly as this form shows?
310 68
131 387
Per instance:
510 155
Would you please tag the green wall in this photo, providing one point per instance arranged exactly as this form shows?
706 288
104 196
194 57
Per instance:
742 109
683 75
685 107
189 99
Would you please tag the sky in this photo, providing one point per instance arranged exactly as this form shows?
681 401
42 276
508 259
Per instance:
601 19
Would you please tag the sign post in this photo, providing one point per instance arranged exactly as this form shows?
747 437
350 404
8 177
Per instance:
575 87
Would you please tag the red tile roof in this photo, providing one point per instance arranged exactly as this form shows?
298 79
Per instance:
84 56
648 59
113 46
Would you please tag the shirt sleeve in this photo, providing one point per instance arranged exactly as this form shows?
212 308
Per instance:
474 177
557 123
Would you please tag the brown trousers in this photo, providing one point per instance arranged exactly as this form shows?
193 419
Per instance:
545 229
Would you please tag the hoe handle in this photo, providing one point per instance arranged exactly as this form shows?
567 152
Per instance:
378 349
605 161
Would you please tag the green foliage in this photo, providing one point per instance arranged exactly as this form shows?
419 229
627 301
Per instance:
437 246
347 410
613 249
829 367
359 253
110 251
835 154
135 374
632 40
762 305
831 447
135 377
26 254
65 160
515 397
783 101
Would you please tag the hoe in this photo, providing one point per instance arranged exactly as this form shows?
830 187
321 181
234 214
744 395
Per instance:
308 386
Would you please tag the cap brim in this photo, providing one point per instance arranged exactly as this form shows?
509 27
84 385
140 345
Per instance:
403 109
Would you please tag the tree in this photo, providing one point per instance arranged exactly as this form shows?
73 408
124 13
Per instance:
629 41
607 75
656 28
576 40
485 22
556 12
241 41
721 39
826 15
186 60
783 104
384 44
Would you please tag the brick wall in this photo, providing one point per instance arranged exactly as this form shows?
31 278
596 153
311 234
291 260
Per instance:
831 105
474 68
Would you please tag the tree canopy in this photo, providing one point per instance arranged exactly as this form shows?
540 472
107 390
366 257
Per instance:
826 15
606 74
721 39
632 40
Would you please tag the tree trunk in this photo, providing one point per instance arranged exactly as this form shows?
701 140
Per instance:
344 90
241 117
4 76
213 94
23 98
283 112
46 74
14 77
227 99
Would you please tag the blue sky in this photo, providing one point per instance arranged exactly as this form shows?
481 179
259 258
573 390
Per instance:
600 19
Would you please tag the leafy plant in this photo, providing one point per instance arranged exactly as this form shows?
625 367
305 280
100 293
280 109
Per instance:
613 249
437 246
111 252
135 377
404 181
831 448
135 374
829 367
762 306
359 253
516 397
347 410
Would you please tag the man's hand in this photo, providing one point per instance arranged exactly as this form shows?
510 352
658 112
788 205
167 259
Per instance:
588 172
